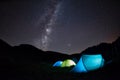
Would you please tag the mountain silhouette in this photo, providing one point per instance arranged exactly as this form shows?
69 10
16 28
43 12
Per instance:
26 53
28 62
5 49
110 51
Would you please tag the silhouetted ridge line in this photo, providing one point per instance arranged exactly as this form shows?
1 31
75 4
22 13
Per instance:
110 51
28 62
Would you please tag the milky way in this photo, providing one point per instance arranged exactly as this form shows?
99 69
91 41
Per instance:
47 21
66 26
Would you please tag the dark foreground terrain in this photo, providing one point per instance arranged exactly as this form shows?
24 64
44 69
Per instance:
25 62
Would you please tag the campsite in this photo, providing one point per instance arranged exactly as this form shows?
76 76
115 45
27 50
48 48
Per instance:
27 62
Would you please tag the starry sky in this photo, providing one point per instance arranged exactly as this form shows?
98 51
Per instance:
67 26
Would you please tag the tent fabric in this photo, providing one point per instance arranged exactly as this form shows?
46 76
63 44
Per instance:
68 63
88 63
79 67
57 64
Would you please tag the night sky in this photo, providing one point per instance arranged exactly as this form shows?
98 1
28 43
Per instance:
67 26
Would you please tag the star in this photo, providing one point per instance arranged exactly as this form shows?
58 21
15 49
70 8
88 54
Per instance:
48 30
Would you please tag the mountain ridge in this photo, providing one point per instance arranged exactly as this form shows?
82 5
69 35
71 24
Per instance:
30 63
109 51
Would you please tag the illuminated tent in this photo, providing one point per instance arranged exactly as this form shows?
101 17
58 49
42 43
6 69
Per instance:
68 63
57 64
88 63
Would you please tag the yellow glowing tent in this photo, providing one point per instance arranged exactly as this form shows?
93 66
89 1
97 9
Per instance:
68 63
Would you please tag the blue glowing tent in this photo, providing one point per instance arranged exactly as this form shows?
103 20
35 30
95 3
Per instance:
88 63
57 64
